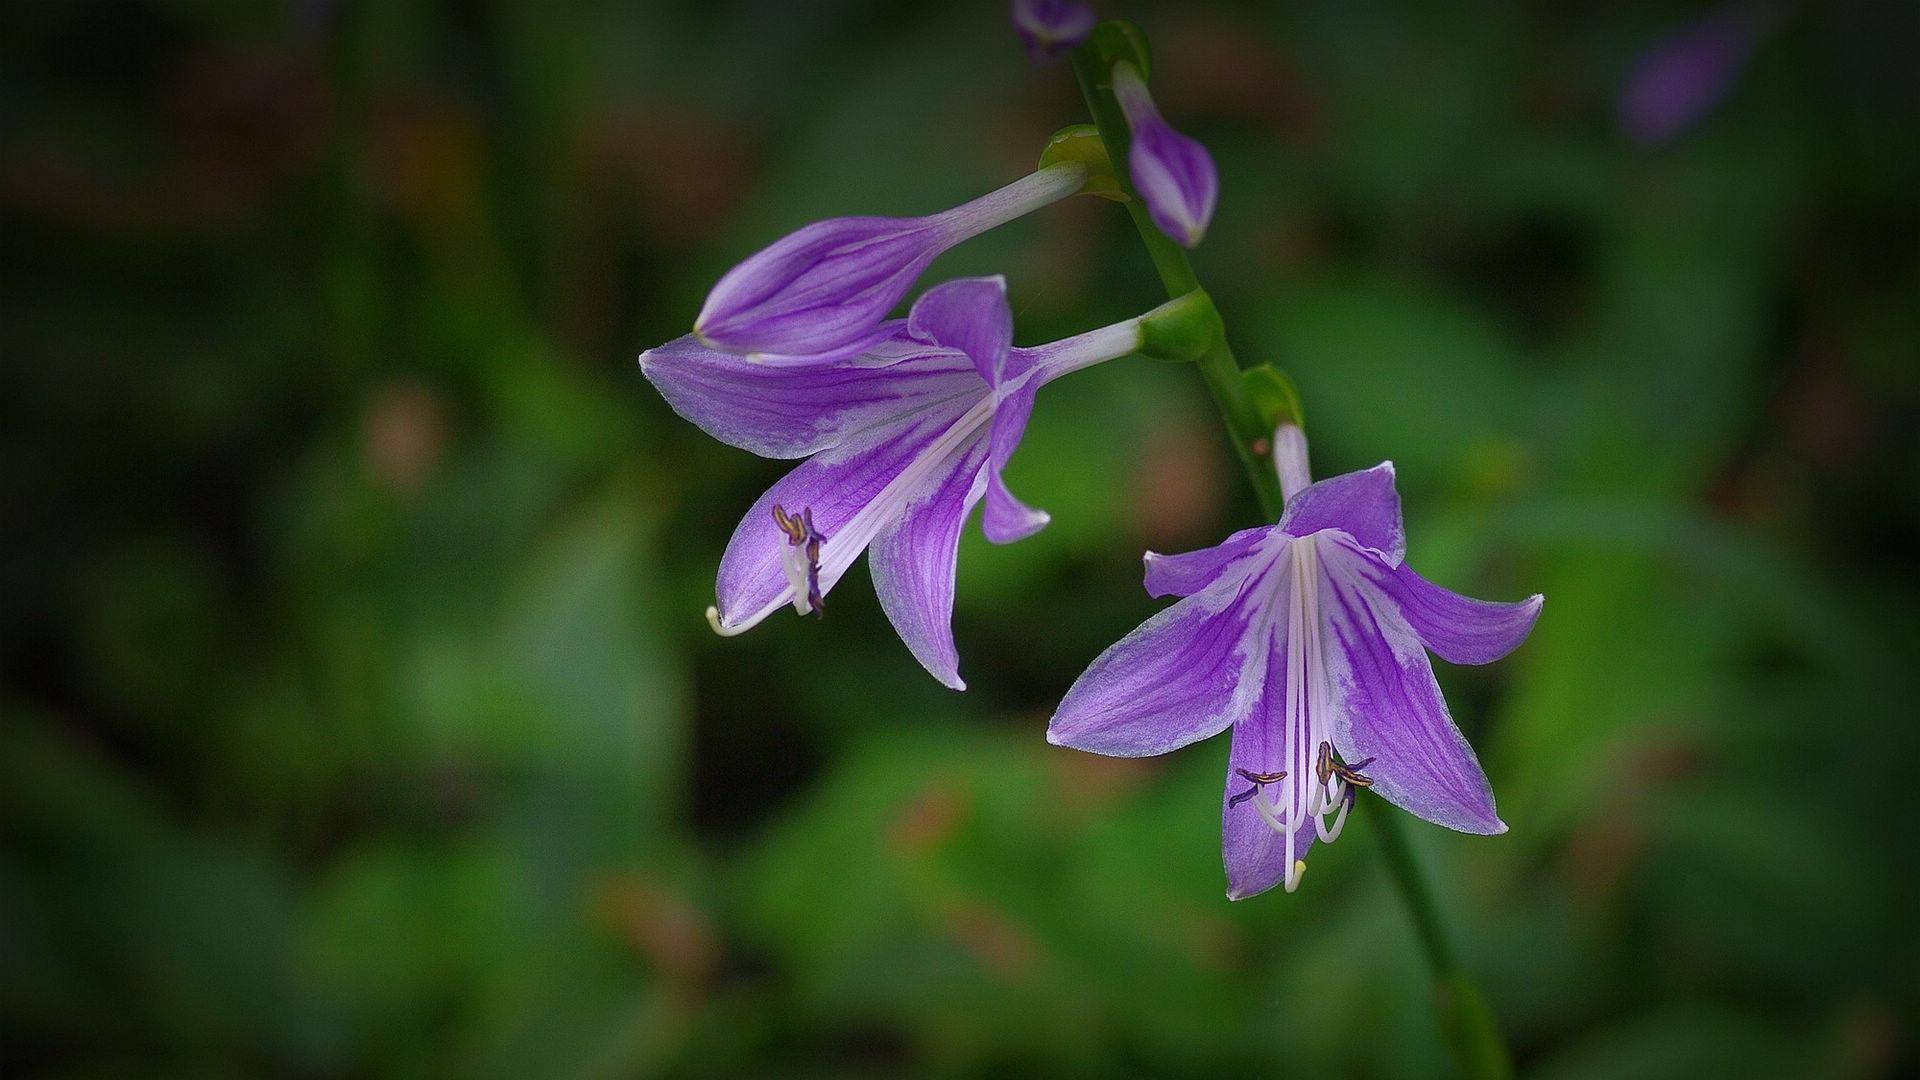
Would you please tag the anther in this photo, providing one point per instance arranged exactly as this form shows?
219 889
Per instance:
796 532
1258 780
1328 767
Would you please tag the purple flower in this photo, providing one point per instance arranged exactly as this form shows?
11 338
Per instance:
1051 27
1682 77
820 293
1309 639
901 442
1174 174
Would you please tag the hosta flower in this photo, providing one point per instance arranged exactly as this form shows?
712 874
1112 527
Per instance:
1309 639
901 442
1051 27
1174 174
821 293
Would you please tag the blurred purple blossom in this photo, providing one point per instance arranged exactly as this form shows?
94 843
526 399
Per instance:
1051 27
1679 79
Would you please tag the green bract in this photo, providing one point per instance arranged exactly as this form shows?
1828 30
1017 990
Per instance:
1182 329
1272 396
1081 144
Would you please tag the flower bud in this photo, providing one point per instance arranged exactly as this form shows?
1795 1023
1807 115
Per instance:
1174 174
820 293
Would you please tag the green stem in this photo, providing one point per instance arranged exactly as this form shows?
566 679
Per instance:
1466 1021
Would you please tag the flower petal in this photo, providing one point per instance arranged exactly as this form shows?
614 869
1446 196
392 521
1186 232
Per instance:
914 561
1459 628
836 486
787 412
1181 676
1389 706
1188 573
969 314
1362 504
1006 518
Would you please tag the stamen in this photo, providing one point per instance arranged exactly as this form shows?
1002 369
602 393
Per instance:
814 596
801 560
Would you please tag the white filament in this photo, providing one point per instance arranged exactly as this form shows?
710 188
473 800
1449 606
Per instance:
793 560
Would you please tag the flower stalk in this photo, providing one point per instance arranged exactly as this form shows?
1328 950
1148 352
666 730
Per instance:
1466 1021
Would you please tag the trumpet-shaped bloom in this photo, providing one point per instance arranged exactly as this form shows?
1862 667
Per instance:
1174 174
1051 27
1308 639
821 293
901 442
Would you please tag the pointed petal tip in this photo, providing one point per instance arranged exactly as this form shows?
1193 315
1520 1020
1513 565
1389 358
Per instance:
1059 735
1490 825
1039 521
650 359
1237 892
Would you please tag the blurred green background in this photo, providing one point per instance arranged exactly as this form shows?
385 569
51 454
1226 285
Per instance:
359 718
